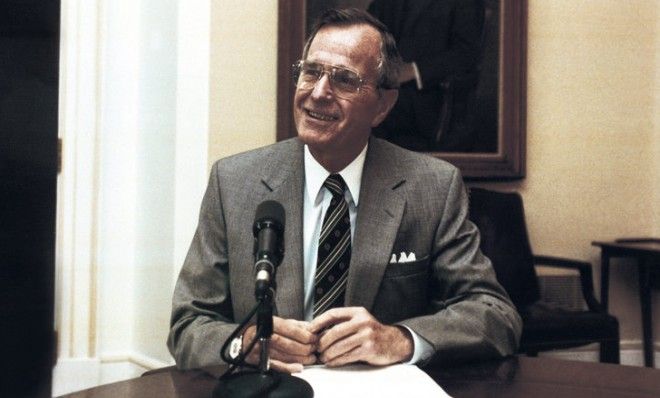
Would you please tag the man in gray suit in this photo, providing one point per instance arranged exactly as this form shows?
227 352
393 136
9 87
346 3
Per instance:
416 289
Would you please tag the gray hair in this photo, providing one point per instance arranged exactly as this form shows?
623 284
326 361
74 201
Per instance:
389 63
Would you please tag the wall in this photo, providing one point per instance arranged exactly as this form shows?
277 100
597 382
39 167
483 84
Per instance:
243 75
152 93
592 136
155 177
137 106
656 123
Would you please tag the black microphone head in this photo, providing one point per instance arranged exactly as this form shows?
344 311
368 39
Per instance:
268 232
269 213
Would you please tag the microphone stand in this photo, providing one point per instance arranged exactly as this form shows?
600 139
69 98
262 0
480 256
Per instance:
265 383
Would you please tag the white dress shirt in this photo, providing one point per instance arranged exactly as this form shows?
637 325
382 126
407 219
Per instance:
316 202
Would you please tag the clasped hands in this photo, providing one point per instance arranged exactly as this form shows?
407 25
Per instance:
337 337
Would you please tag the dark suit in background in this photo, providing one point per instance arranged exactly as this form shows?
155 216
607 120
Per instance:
443 38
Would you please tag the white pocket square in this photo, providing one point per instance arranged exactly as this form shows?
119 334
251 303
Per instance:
403 258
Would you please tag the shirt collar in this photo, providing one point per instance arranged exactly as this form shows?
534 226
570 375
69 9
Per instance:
315 175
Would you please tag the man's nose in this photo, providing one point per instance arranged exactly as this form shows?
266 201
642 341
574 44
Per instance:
322 88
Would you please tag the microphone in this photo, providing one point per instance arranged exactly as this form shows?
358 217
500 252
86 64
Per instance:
268 232
268 245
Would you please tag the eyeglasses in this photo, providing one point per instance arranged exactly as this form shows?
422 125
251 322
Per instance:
345 83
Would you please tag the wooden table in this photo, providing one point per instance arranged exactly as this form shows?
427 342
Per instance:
647 253
512 377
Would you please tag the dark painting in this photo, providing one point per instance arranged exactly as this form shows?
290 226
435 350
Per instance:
471 109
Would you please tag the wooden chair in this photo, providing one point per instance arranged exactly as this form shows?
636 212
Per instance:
501 221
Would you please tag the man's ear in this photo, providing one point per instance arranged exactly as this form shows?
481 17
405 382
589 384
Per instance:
385 104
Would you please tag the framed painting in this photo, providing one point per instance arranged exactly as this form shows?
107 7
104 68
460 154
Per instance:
498 98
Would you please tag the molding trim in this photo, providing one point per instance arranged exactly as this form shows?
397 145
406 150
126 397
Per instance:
75 374
631 353
77 202
135 358
637 345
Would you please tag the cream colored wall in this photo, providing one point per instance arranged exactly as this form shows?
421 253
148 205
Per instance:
656 123
243 76
590 120
592 135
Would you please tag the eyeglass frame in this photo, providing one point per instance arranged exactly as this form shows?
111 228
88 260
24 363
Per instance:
330 71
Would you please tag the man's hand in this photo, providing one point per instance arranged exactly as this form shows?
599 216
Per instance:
352 334
291 346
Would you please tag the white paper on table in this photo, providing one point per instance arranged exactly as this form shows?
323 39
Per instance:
369 381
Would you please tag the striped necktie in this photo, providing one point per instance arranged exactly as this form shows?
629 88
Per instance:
334 251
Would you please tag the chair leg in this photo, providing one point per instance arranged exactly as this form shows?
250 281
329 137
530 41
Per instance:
609 352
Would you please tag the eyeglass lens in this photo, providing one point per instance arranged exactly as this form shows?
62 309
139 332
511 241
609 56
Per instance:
343 81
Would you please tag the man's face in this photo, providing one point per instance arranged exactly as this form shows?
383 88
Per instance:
325 122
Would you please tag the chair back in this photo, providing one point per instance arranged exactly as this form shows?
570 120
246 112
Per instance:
501 220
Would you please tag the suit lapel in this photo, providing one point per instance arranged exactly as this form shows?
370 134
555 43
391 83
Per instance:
379 216
284 182
378 219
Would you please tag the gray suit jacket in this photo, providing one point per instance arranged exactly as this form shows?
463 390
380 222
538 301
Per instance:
408 203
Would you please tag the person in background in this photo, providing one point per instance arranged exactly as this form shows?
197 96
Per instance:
440 43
